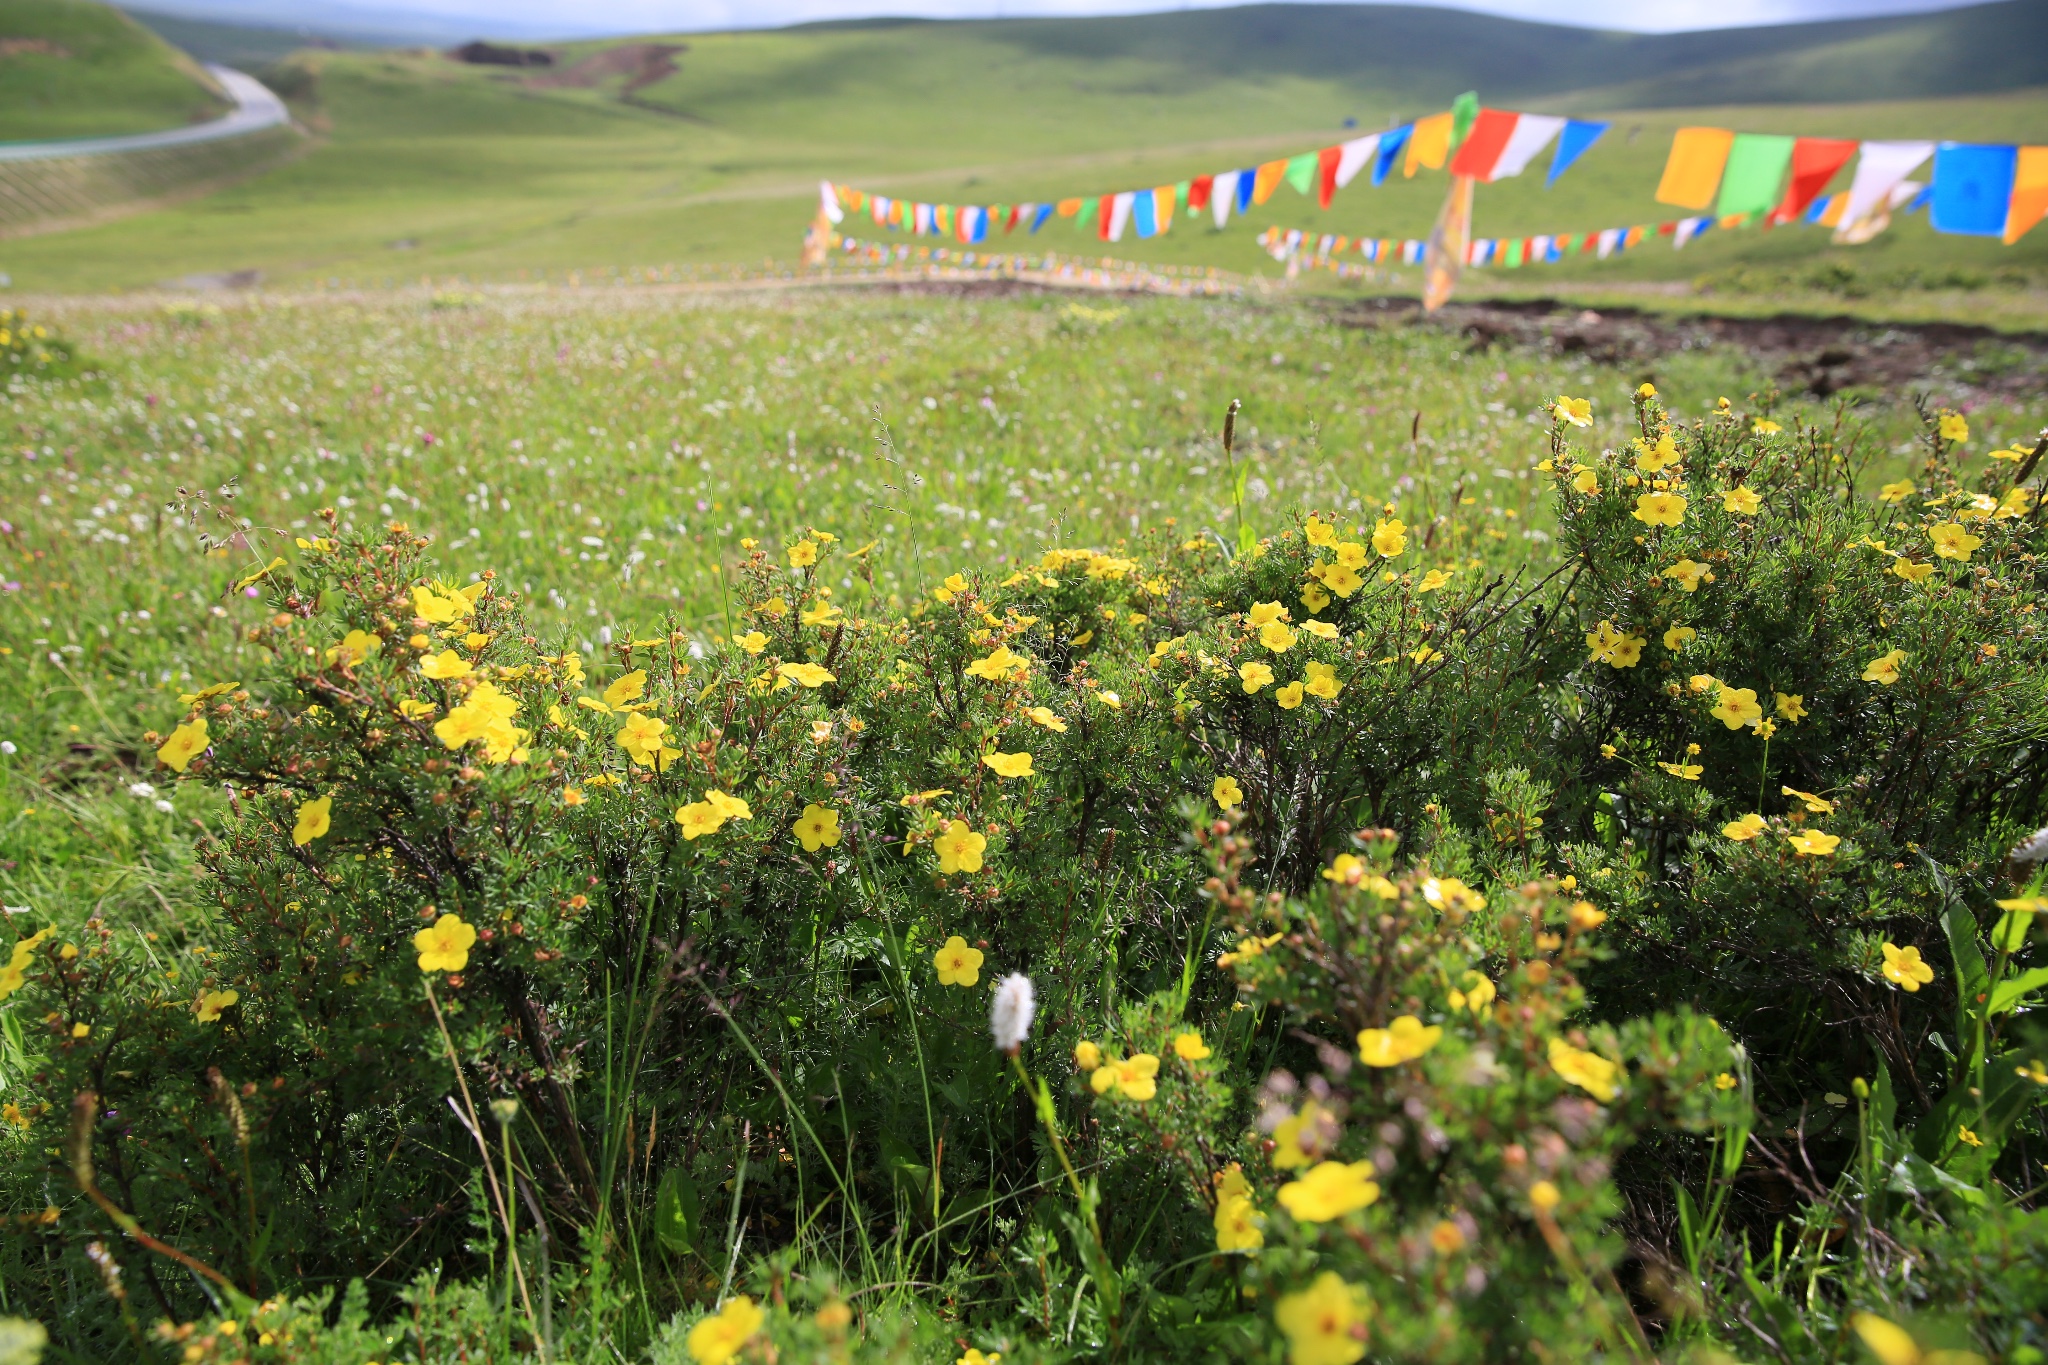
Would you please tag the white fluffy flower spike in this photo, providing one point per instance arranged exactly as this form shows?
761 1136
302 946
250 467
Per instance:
1009 1014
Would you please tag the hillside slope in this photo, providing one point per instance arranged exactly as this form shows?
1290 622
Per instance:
76 68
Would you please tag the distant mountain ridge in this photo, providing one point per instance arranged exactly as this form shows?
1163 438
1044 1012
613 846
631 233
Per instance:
1426 51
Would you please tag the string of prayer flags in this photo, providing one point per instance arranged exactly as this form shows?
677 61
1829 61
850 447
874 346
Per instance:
1502 144
1754 174
1692 173
1815 161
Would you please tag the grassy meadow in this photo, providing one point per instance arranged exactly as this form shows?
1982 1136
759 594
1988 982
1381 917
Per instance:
606 453
78 69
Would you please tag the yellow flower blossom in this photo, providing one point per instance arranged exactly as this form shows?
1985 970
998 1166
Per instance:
1321 681
1239 1225
1288 696
643 737
1318 532
1884 670
1737 707
1589 1071
1351 555
446 665
958 964
818 827
444 945
1742 500
1953 426
1087 1056
718 1338
1659 509
1133 1078
753 642
1264 614
1904 968
1001 663
1577 411
1401 1041
1952 541
1341 579
1812 843
1689 772
1322 630
1329 1190
1791 706
1544 1196
1276 636
1614 646
1763 426
1896 492
1912 570
1677 637
1652 459
1254 676
699 818
951 588
1744 828
960 848
1045 716
803 554
186 743
1688 575
1314 598
808 675
445 606
355 647
1479 992
1226 792
1189 1047
211 1003
1008 765
626 687
1390 538
1587 481
1431 581
1325 1323
313 820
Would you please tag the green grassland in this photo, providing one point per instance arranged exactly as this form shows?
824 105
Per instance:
608 452
430 168
93 73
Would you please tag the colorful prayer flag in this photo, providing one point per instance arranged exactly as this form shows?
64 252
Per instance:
1815 160
1973 185
1429 145
2029 193
1754 177
1391 144
1352 156
1267 179
1223 196
1578 135
1692 173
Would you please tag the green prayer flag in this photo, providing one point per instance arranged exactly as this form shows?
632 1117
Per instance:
1755 174
1514 254
1180 195
1085 219
1464 113
1301 172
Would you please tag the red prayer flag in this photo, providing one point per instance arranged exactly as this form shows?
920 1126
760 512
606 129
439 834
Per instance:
1814 162
1326 174
1016 211
1104 211
1198 192
1484 144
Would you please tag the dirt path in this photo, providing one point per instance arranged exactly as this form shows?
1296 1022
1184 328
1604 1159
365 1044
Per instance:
1805 353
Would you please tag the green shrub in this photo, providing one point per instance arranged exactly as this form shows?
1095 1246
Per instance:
1380 909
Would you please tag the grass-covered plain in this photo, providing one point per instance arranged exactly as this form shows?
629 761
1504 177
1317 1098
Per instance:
74 68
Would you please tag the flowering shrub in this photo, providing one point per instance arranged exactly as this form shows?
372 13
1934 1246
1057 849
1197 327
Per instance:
1315 951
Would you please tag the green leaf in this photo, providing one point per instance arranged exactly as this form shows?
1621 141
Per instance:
1916 1176
676 1210
2012 990
1972 976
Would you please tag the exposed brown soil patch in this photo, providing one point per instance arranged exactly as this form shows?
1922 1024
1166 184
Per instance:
642 64
1816 355
42 47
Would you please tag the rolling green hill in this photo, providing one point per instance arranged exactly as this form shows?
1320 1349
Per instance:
74 68
708 147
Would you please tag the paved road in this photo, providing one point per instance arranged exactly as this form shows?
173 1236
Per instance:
255 108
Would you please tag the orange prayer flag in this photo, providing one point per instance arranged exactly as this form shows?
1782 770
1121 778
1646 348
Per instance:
1067 208
1429 145
1269 177
1162 207
1692 175
2029 193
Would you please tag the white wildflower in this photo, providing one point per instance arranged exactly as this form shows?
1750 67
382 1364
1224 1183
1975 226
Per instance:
1009 1015
143 789
2032 849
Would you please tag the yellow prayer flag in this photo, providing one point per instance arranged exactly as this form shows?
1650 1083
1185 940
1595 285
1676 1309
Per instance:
1693 174
1429 145
2029 193
1269 177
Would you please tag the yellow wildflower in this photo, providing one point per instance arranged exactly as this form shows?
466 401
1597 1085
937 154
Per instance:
1744 828
808 675
186 743
958 964
1688 574
1589 1071
1008 765
818 827
1325 1323
1390 538
719 1337
445 665
1737 707
1401 1041
1953 426
1189 1047
1659 509
313 820
1884 669
960 848
1952 541
444 945
1254 676
1812 843
1329 1190
1587 481
1904 969
1577 411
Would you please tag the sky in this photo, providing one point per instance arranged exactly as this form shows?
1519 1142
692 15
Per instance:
437 19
